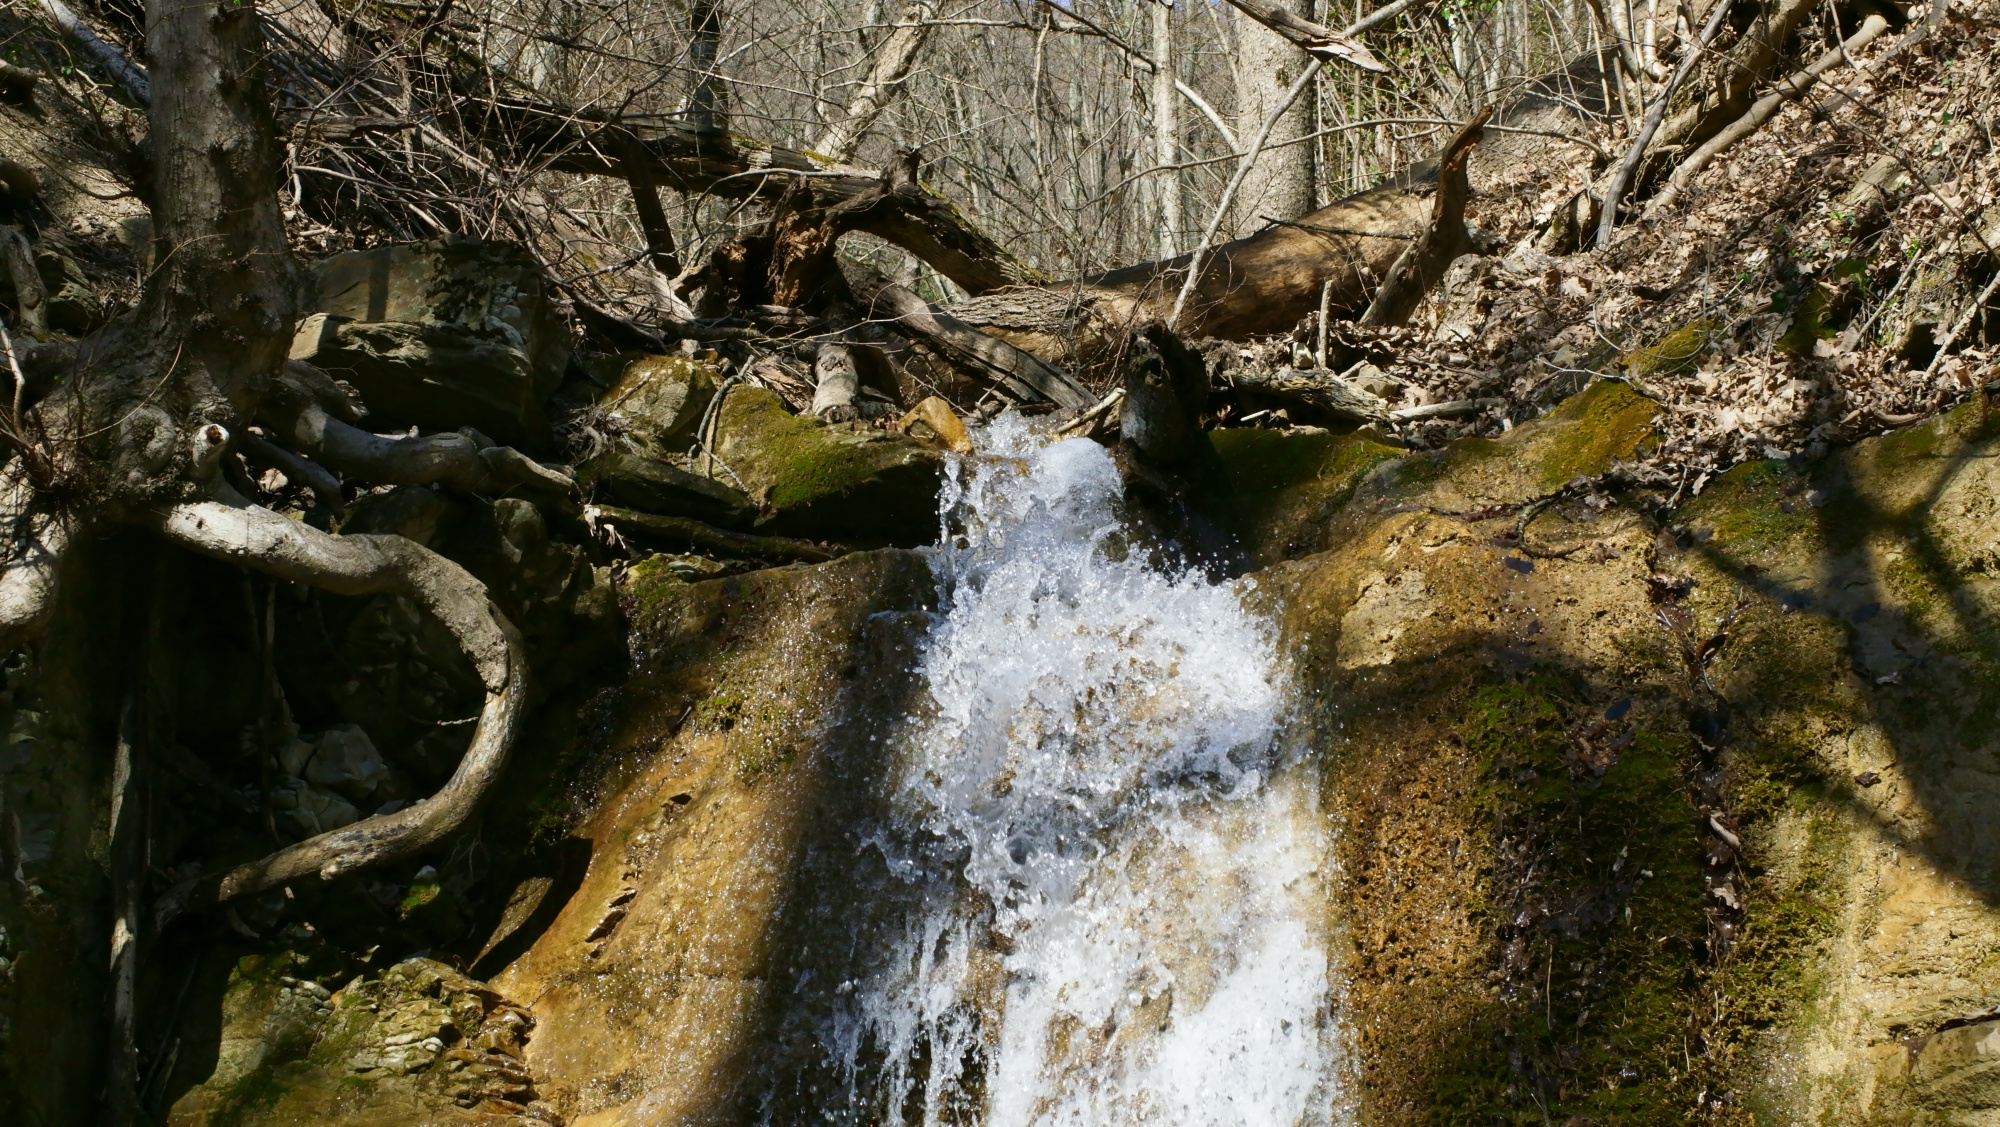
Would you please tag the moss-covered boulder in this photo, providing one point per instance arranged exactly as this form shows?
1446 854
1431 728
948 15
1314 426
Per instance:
418 1045
656 403
849 482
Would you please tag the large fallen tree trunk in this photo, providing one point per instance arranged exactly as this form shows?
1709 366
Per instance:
1267 282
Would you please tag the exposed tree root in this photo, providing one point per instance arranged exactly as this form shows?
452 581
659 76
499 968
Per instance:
305 409
36 537
232 529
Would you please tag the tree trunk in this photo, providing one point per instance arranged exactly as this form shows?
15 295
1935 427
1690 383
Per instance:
1281 180
1166 131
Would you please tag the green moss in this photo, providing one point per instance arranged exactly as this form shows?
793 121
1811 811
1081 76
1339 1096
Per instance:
652 582
1808 324
1745 508
820 480
1595 958
1286 486
1608 421
1675 354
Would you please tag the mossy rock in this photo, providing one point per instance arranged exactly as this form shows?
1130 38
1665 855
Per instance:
417 1045
657 401
1676 354
653 486
1286 486
841 481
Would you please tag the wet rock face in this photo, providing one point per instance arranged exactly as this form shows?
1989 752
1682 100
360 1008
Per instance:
441 334
1645 815
744 742
417 1043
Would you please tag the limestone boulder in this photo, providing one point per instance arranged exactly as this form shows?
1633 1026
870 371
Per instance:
443 334
655 403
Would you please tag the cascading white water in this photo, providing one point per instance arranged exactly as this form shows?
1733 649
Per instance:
1112 879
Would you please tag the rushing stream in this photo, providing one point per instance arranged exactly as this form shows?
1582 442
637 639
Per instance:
1109 876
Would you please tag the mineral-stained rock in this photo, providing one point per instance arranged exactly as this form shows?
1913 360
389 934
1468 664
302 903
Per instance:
420 1045
1601 855
444 334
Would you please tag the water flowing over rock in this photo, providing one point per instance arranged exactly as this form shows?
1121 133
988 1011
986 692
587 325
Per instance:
1109 869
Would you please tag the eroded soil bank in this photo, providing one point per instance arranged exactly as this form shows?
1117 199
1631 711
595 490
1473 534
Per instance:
1644 814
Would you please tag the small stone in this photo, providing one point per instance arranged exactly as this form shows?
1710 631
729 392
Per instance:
1868 778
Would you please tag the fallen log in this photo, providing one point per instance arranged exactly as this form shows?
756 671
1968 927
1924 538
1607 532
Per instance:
983 355
654 528
1454 409
1319 390
1762 112
696 162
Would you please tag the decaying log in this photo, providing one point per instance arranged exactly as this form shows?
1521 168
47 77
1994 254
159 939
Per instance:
1737 78
1423 265
646 203
17 84
1174 480
836 383
1321 391
984 356
1621 179
232 529
694 534
1263 283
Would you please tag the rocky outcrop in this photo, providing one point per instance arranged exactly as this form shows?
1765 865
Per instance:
1653 811
449 333
666 447
1650 809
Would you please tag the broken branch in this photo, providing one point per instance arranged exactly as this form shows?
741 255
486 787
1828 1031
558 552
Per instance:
1420 267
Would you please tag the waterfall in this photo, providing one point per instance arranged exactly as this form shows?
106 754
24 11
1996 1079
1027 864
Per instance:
1109 881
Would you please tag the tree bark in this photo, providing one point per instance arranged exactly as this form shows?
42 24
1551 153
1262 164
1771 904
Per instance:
1166 186
1281 179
